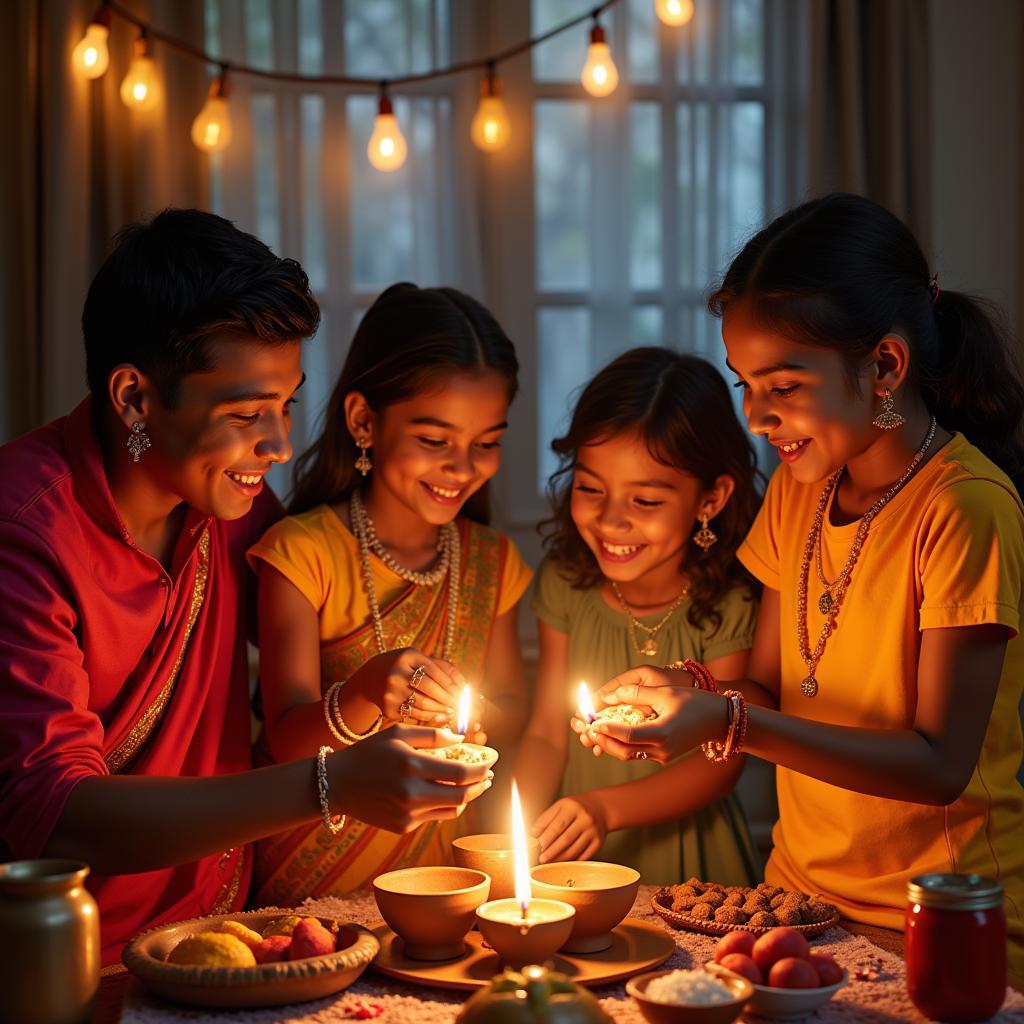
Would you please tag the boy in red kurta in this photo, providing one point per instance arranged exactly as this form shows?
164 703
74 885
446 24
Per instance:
124 724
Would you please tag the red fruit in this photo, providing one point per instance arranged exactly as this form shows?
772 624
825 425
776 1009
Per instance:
739 963
735 942
792 972
310 938
829 972
272 949
778 944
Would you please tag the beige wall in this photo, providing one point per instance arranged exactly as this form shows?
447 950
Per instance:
977 124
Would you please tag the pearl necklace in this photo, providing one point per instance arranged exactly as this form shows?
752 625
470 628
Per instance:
650 646
830 601
450 553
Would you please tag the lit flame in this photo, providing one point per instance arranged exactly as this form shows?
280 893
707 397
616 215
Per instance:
520 856
464 704
586 704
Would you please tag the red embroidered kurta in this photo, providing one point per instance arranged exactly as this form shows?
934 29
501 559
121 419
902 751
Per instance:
110 663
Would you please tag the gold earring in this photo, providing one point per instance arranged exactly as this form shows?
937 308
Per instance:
888 418
138 440
705 537
363 463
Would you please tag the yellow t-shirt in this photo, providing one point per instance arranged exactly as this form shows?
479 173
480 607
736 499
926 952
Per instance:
947 551
318 554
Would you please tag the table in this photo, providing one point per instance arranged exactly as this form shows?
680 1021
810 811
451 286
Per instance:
880 1001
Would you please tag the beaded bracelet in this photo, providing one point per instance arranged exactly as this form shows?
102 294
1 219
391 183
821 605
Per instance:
328 717
719 751
335 722
321 787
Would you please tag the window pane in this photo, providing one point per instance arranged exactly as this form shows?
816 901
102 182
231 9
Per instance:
561 58
311 47
645 220
695 196
259 34
314 258
642 41
561 157
264 168
696 42
563 367
747 41
647 326
377 39
744 135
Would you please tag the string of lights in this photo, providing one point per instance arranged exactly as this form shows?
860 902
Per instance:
142 87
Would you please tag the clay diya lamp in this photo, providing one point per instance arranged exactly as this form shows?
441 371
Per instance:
601 894
431 908
627 714
523 930
467 753
492 853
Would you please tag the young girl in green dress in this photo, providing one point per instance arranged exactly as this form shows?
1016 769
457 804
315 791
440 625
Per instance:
654 494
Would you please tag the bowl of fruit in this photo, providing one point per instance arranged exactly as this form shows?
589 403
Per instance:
262 958
790 979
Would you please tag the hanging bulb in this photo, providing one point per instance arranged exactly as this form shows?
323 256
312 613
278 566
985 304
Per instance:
211 130
141 88
489 129
91 56
674 12
600 76
387 148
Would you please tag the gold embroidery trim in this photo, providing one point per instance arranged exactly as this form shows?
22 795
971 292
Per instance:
150 718
229 891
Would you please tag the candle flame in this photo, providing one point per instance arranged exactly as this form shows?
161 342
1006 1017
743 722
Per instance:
586 704
464 704
520 855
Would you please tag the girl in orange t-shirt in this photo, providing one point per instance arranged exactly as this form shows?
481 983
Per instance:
887 665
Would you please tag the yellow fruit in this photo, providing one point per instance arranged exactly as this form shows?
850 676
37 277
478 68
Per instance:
281 925
239 930
212 949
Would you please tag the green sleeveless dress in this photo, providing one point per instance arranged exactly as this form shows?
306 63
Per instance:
714 843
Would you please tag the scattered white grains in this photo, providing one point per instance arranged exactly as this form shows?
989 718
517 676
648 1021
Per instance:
689 988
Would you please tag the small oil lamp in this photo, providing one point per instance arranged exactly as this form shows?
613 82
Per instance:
523 930
469 753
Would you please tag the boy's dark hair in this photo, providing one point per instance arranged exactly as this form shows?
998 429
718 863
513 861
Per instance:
408 341
841 272
679 406
174 283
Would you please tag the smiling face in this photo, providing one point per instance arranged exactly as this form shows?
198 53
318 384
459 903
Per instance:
432 451
634 513
798 397
229 426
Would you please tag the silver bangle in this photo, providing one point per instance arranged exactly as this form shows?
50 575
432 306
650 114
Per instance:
321 785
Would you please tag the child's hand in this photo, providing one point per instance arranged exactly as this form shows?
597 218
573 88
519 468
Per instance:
409 686
582 729
572 828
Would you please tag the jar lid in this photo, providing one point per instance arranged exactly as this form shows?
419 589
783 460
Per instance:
955 892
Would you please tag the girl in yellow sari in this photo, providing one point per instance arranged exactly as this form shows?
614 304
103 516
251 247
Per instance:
384 591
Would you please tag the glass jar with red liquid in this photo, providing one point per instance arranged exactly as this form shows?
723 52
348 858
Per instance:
955 946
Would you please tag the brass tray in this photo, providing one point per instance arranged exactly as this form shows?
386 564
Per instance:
637 947
695 924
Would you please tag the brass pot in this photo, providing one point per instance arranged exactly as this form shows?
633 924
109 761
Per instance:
49 942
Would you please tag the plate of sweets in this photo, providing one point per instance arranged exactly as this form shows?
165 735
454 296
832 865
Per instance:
716 909
260 958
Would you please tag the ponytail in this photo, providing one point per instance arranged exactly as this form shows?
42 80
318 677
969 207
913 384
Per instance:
972 383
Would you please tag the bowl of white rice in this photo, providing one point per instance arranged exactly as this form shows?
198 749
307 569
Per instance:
684 996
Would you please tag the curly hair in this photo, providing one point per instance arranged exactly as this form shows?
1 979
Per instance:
680 406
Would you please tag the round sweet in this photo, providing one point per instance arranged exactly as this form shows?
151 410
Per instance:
764 919
730 915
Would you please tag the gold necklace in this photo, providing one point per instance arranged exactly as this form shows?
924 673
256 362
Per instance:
650 646
837 590
359 518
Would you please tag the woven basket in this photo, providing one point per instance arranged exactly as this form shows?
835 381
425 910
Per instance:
695 924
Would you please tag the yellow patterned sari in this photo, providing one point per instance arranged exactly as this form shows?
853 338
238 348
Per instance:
309 860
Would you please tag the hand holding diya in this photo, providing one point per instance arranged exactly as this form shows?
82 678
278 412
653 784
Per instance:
626 714
467 753
524 930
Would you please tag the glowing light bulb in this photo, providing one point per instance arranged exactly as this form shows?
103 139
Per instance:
387 148
141 88
600 75
211 130
674 12
490 129
91 57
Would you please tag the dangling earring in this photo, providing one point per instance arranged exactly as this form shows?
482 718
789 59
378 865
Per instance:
363 463
888 418
138 440
705 537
